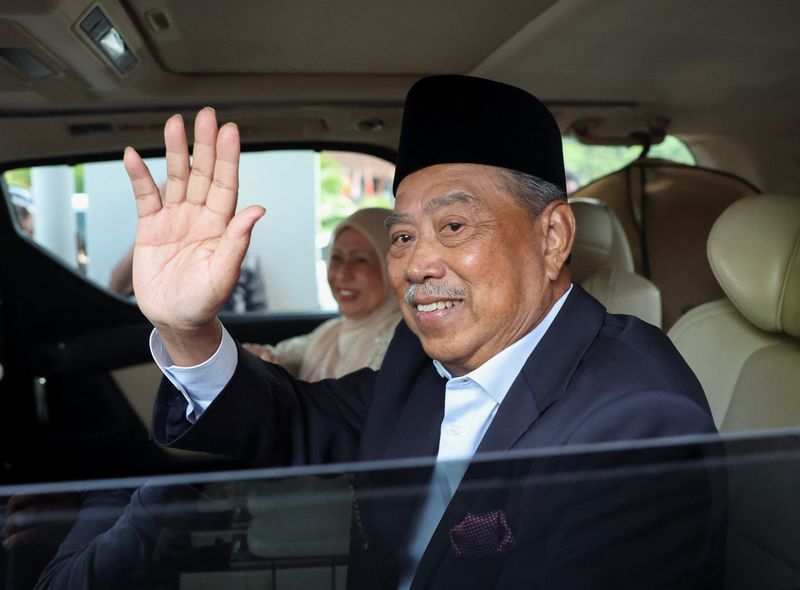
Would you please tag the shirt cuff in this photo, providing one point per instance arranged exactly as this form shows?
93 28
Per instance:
201 383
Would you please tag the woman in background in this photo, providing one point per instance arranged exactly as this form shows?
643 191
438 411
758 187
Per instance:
359 282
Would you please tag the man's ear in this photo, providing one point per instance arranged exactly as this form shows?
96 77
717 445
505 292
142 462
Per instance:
560 235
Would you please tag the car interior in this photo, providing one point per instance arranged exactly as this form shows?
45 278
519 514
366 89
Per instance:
705 246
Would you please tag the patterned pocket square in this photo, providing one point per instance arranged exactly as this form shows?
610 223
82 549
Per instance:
484 534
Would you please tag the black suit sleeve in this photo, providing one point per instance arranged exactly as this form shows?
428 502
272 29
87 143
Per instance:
140 540
265 417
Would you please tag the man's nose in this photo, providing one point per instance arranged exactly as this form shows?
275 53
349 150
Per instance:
424 263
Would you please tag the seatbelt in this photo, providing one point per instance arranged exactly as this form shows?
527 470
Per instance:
636 205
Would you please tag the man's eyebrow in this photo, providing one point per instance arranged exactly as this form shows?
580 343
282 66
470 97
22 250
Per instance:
453 197
440 202
394 219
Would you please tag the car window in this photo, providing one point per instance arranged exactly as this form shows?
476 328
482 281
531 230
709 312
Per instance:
563 517
84 215
585 163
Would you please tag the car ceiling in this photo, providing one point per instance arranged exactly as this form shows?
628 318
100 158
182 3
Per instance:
289 70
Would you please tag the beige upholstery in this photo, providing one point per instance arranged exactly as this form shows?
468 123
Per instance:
300 517
601 262
755 255
667 210
746 349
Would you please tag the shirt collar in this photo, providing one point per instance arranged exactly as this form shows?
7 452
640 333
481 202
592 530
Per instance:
496 375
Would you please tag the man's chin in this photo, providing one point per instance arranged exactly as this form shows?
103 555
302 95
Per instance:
442 353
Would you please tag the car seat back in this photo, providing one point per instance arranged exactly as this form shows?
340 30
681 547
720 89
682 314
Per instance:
667 210
602 263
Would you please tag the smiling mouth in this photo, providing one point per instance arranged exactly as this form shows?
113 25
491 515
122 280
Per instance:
436 305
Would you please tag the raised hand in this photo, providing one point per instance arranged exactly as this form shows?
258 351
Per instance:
189 245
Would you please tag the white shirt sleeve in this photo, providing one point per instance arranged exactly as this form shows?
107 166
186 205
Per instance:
201 383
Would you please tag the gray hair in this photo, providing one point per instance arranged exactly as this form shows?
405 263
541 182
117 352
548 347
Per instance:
530 191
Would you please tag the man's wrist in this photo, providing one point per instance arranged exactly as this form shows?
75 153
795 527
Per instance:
188 347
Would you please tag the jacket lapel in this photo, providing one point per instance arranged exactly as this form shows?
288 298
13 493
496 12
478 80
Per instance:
547 372
407 409
544 376
405 421
417 428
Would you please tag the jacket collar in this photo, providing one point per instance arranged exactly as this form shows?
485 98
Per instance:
547 372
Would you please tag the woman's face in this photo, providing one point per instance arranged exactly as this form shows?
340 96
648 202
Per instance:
354 274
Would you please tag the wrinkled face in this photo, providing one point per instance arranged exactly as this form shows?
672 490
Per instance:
354 274
468 264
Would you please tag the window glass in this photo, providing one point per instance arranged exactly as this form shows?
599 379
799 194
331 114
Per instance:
585 163
667 507
85 216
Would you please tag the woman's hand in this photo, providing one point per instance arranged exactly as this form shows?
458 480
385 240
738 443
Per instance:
262 351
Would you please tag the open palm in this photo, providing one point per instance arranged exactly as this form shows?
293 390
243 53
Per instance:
189 245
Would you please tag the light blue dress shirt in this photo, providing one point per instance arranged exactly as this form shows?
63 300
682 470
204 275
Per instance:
470 404
201 383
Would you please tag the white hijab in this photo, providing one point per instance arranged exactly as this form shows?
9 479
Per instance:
344 345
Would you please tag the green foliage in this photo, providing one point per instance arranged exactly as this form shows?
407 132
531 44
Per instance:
334 206
19 177
588 162
22 177
336 202
79 178
330 175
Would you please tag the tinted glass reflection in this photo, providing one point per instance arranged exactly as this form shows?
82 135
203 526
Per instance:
683 514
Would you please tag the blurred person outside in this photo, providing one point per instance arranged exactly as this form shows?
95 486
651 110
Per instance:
22 201
249 293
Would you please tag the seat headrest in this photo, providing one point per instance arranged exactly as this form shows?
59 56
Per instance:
600 240
754 251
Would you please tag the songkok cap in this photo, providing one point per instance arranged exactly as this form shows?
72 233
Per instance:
466 120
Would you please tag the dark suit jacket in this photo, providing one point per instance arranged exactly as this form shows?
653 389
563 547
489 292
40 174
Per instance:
593 378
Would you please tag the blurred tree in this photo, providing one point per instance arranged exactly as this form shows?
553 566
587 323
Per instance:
19 177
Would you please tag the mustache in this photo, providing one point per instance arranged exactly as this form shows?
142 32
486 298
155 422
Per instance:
434 289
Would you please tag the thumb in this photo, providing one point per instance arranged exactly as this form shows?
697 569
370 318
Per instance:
235 241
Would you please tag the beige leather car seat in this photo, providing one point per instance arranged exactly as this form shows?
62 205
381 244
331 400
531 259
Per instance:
667 210
745 349
602 263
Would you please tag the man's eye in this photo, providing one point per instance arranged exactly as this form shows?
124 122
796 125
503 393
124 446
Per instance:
454 226
401 239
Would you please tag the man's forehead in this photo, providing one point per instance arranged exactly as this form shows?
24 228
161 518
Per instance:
409 208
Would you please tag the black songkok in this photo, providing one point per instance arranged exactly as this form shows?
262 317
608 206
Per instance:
466 120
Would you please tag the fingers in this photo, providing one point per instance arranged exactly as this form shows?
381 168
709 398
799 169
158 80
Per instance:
27 521
26 538
222 194
177 159
262 351
212 178
233 246
36 536
18 502
204 155
148 199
